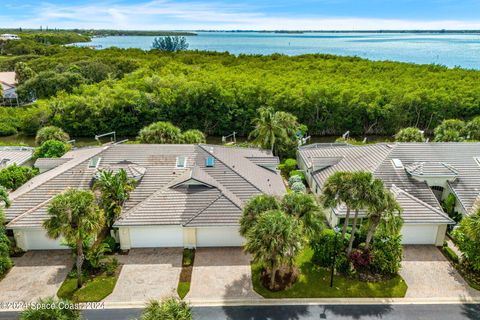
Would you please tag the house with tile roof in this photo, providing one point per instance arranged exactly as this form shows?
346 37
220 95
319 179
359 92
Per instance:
420 175
186 195
15 155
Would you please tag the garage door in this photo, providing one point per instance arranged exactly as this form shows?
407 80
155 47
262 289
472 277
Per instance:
156 237
418 234
38 240
219 237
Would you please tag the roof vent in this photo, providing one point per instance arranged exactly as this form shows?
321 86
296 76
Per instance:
397 163
477 159
210 162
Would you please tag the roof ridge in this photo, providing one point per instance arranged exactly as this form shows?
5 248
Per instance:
228 166
38 206
203 209
391 148
439 211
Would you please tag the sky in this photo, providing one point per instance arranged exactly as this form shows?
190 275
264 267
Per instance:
242 15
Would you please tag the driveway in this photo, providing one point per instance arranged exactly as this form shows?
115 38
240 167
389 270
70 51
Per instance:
36 274
148 274
429 274
221 274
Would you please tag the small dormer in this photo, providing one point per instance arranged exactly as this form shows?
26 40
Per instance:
181 162
435 174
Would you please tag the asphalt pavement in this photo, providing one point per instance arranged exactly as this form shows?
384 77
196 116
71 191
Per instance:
306 312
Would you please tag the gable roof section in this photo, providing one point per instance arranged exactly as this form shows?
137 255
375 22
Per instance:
431 169
14 155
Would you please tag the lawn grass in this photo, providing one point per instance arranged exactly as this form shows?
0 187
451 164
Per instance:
186 274
183 289
93 290
314 282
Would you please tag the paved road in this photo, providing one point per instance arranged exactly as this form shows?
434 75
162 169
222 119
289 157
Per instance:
299 312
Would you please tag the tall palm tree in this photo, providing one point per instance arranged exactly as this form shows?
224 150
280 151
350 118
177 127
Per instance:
304 207
114 189
363 192
269 129
75 216
254 207
275 240
337 191
384 207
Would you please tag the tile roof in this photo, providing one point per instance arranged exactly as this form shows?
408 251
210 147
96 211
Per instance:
165 194
15 155
420 158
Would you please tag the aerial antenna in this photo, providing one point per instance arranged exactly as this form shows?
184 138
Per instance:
346 135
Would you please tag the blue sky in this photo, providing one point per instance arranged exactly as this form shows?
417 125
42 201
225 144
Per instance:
229 14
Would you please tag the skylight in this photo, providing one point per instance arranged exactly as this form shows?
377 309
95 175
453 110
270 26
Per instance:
209 162
477 159
181 162
397 163
94 162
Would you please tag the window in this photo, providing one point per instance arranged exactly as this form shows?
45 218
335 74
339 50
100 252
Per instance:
181 162
94 162
210 162
397 163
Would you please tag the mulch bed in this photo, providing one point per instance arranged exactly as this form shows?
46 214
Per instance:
284 279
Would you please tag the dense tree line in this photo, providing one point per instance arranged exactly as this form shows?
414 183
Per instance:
218 92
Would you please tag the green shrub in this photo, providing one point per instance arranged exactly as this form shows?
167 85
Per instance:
111 266
324 247
342 264
288 166
5 264
298 187
410 134
167 309
298 173
387 255
12 177
294 179
7 130
51 149
111 243
51 133
451 254
160 132
193 136
56 310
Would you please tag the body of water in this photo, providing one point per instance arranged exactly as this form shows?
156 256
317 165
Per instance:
447 49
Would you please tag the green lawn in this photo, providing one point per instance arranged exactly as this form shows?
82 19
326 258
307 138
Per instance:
183 289
93 290
314 282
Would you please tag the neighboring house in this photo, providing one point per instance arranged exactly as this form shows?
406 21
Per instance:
187 195
420 175
15 155
8 85
8 36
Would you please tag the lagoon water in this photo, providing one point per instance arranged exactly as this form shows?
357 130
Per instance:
447 49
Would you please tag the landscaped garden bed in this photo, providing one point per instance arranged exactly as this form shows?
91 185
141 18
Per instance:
95 288
186 273
314 282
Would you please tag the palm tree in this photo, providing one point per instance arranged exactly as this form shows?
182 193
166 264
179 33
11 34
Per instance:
337 191
470 226
384 207
75 216
304 207
169 308
275 240
39 310
362 193
114 189
254 207
269 129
